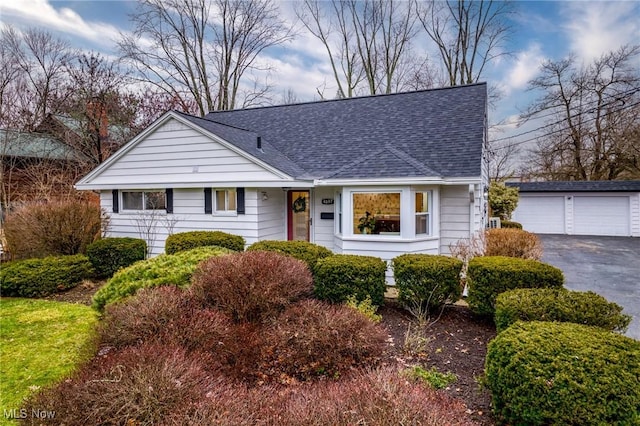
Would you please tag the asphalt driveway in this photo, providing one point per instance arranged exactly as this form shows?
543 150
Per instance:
609 266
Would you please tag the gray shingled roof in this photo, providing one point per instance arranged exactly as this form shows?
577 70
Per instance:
434 133
579 186
36 145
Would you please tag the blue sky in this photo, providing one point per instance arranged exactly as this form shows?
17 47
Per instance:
542 30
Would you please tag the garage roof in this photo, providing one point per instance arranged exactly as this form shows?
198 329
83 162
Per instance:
578 186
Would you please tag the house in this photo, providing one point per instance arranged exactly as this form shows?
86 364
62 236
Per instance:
35 166
579 207
376 175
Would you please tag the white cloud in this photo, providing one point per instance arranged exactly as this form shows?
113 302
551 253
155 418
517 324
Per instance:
594 28
524 67
41 13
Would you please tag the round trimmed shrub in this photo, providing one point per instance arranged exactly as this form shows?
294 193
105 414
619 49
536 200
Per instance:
489 276
165 314
545 373
251 286
42 277
167 269
340 276
108 255
314 338
510 224
547 304
427 281
308 252
189 240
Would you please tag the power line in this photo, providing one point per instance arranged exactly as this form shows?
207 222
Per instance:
520 142
617 97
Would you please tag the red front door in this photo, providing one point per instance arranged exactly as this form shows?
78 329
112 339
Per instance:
298 215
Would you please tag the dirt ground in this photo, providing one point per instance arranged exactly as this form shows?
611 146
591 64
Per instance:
456 343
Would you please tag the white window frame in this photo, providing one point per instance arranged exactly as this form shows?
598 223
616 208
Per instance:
225 211
429 195
392 190
339 213
144 200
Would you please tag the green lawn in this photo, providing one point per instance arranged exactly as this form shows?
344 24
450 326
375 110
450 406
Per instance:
40 343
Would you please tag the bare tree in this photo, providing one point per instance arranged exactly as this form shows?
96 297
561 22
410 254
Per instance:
592 114
469 34
201 52
97 98
503 159
368 43
40 59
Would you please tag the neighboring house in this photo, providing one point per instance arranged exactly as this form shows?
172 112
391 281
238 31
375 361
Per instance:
409 167
34 167
579 207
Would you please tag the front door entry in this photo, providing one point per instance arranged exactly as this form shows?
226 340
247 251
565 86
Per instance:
298 215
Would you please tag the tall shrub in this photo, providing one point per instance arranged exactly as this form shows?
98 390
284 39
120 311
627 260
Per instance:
503 199
108 255
426 280
489 276
52 229
343 275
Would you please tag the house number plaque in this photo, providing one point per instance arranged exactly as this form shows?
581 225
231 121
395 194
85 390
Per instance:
327 201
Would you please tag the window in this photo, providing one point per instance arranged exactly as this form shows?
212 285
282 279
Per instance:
143 200
423 214
225 201
376 213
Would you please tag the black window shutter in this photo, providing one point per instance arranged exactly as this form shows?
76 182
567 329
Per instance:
116 201
240 200
169 199
208 205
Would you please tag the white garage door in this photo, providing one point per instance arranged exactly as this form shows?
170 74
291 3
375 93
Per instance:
601 216
543 215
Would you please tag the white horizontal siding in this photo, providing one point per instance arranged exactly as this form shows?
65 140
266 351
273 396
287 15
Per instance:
176 153
635 214
323 229
388 249
271 213
188 207
455 220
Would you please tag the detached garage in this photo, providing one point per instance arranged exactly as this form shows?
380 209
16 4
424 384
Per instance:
610 208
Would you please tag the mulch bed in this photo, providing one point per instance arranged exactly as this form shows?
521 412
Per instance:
456 343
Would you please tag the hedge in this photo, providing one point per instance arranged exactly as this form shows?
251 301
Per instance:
190 240
489 276
42 277
167 269
340 276
426 280
510 224
544 373
301 250
549 304
111 254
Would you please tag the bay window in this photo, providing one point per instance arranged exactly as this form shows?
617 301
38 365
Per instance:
376 213
423 213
